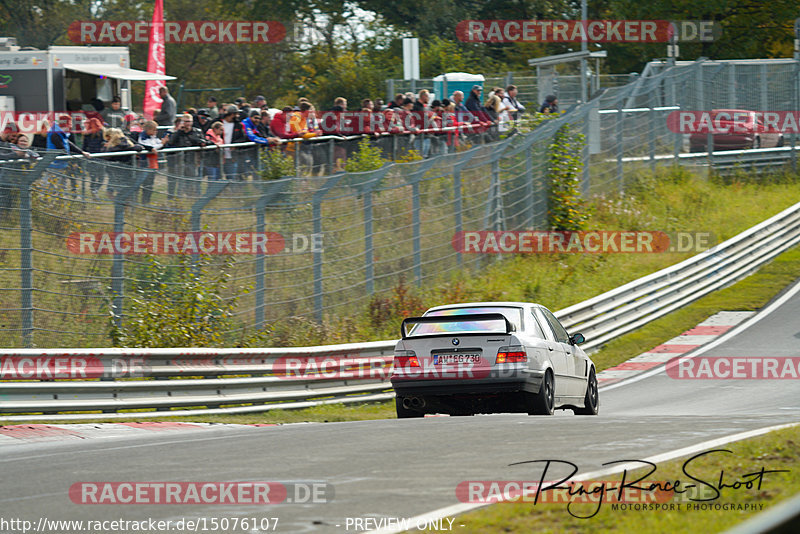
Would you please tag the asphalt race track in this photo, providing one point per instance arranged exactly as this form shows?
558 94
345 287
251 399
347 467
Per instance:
404 468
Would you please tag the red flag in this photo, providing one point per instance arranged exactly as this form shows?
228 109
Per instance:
155 61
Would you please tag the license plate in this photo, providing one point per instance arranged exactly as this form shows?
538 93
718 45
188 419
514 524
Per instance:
447 359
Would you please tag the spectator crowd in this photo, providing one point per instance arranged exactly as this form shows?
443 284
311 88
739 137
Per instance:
446 122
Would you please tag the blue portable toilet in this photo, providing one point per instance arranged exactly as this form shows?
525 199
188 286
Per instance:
445 84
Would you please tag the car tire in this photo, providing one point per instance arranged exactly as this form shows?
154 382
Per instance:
781 141
696 148
542 403
591 402
757 143
405 413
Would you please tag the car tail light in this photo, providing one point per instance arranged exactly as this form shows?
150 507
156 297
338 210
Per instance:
511 355
405 358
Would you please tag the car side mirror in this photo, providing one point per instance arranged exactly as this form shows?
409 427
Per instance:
577 339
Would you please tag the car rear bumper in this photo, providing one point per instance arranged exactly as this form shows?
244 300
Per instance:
524 380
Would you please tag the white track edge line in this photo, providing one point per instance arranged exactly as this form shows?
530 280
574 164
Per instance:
747 323
460 508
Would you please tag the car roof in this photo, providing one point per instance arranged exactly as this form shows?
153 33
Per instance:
508 304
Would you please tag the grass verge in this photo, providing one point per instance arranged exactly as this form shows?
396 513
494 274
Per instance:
778 450
329 413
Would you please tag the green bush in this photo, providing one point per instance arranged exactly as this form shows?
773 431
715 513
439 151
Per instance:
178 306
366 158
566 210
275 164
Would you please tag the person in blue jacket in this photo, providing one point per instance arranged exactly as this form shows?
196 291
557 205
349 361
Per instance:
251 130
59 139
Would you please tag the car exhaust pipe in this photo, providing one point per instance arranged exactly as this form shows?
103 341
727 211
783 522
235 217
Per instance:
407 403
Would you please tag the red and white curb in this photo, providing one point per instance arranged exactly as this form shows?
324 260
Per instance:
16 434
705 332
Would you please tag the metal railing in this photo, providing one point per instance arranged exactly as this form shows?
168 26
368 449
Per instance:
178 381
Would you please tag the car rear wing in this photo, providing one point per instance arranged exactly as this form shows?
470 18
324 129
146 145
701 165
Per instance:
439 319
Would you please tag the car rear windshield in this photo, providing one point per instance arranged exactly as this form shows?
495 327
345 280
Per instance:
514 316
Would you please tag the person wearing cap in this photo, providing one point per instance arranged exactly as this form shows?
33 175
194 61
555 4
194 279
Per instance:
251 129
114 117
202 120
473 103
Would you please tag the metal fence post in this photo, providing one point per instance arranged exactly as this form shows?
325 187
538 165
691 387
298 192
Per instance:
529 193
316 210
651 135
26 179
297 146
331 156
795 103
414 178
26 263
273 189
118 267
586 150
214 189
366 190
620 147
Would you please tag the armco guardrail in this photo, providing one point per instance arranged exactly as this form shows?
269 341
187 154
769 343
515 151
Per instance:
783 518
722 160
264 379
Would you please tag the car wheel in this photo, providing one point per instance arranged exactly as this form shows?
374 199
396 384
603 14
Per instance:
403 412
780 141
696 148
757 142
591 402
542 403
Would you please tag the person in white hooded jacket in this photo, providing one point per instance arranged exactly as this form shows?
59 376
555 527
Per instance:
148 161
